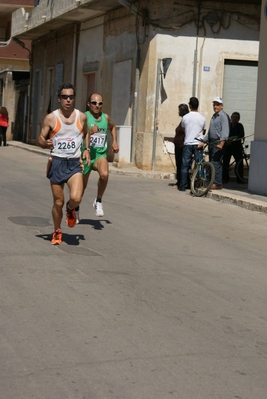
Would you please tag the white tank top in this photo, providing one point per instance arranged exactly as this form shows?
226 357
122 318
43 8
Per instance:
67 139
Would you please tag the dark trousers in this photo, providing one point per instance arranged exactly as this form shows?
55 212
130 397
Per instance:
215 157
236 152
3 130
178 161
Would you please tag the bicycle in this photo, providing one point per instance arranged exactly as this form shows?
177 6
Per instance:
242 166
202 175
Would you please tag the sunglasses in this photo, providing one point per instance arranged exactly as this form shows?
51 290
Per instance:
65 96
96 102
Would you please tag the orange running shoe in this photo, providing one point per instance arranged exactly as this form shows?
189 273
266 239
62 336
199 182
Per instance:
71 216
56 237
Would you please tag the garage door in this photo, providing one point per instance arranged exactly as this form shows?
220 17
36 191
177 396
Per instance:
240 90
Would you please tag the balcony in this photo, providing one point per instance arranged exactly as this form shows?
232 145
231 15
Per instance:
46 17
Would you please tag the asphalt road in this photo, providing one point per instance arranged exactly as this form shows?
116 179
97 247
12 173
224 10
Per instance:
164 297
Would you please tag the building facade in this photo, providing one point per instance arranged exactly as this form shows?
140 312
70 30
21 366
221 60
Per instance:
145 57
14 71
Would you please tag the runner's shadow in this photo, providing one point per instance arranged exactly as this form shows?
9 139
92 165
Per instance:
69 239
96 224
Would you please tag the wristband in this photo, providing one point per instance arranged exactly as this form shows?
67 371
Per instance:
88 149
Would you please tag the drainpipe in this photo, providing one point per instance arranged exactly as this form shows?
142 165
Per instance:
200 69
196 53
158 77
135 103
30 96
74 56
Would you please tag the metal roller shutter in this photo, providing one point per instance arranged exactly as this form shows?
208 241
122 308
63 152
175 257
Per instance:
240 90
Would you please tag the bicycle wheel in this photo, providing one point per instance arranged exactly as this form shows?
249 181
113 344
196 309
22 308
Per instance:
202 179
242 169
191 169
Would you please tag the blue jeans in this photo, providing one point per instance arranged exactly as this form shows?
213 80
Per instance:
215 156
188 152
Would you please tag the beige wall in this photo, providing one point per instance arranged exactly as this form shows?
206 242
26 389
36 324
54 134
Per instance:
233 41
47 53
115 37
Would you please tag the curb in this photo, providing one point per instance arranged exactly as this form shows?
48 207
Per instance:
29 147
242 199
128 171
251 205
143 174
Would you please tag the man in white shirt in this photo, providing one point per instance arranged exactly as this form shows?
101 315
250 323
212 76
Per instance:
194 125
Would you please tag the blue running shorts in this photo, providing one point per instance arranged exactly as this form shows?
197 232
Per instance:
61 169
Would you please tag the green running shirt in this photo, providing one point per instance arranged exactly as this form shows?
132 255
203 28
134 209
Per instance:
98 140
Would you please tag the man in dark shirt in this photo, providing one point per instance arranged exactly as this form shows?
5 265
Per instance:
179 143
234 147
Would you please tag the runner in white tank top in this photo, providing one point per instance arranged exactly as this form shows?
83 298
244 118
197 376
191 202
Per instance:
62 132
67 138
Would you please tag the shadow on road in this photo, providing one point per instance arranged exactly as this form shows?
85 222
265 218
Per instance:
69 239
96 224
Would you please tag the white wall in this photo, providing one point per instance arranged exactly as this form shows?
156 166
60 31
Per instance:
179 79
258 161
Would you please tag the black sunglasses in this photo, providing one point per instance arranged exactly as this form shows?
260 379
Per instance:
65 96
96 102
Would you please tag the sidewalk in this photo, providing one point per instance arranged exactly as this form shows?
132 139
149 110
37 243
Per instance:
232 193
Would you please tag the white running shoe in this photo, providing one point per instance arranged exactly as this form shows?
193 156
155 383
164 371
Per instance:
98 208
77 217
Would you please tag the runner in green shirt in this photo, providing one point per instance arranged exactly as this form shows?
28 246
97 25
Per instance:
98 125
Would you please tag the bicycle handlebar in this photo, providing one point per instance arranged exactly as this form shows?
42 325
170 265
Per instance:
242 138
206 142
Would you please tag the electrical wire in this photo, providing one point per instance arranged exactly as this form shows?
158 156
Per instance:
4 44
225 17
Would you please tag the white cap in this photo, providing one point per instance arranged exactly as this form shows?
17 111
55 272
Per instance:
218 100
